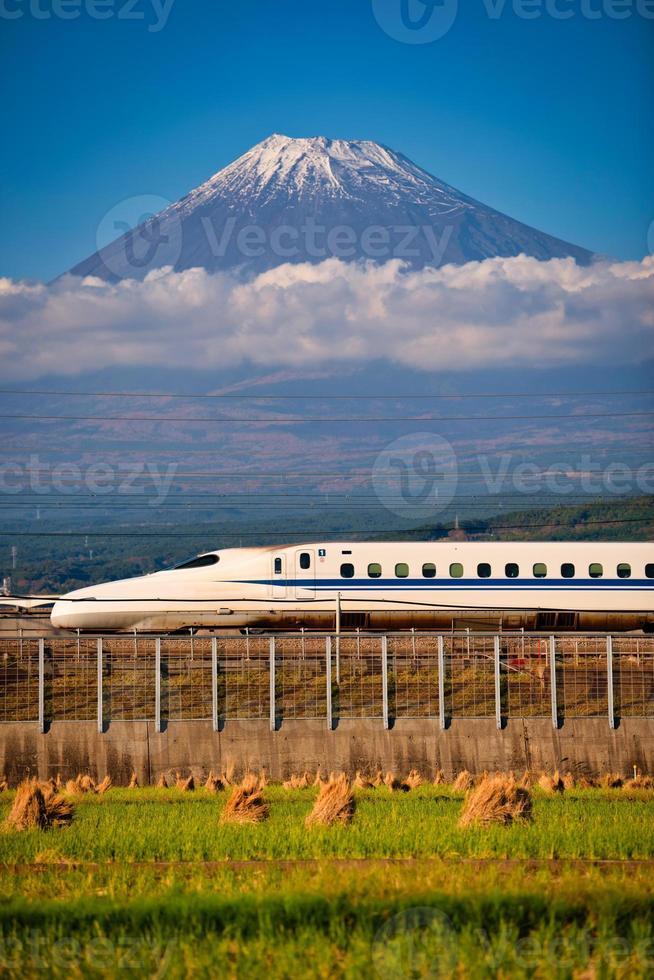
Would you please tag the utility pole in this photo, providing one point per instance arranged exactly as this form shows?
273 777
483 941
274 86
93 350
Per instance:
14 555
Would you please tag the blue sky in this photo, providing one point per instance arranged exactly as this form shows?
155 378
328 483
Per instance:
549 120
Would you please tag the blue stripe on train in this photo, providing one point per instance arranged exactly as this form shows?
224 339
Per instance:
460 583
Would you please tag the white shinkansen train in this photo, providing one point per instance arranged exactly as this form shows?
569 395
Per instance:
390 585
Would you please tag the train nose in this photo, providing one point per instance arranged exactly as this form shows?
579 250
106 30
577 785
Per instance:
64 615
75 610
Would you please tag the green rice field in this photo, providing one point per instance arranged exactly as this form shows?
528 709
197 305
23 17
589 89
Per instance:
149 881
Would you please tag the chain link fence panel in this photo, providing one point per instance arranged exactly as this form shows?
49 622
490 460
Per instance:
413 676
19 679
128 678
186 692
300 677
244 677
469 676
582 677
71 690
357 677
633 676
526 681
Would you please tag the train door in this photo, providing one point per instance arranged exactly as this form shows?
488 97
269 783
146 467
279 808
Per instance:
278 575
305 573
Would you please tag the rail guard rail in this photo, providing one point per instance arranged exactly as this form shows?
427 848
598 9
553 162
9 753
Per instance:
325 676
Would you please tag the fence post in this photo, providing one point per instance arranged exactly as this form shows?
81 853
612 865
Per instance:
498 687
41 686
328 674
157 684
384 652
272 685
554 702
338 637
441 682
100 702
609 680
214 682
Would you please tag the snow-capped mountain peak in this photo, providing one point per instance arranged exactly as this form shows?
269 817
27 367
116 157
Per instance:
307 199
319 166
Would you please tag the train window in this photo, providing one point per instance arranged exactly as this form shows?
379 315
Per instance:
511 570
278 566
540 569
202 561
347 570
567 570
429 570
456 570
595 569
374 570
305 560
649 570
624 570
402 570
483 570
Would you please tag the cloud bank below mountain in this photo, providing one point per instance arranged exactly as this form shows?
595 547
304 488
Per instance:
499 312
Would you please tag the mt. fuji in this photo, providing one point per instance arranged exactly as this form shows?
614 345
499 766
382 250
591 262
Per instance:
306 200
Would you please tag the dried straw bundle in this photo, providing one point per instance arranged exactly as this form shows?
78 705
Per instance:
611 780
439 777
213 784
391 782
378 779
134 781
246 804
551 784
185 785
497 799
413 780
640 782
362 782
297 782
463 782
162 782
86 783
320 779
568 781
335 803
585 782
104 785
39 807
29 810
59 810
3 784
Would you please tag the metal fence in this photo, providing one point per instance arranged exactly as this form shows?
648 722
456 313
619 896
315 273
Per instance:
328 677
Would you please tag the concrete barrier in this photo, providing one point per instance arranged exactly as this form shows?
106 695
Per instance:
581 745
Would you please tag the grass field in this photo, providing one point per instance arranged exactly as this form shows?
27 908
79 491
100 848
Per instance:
150 881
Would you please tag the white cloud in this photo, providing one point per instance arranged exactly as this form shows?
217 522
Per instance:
499 312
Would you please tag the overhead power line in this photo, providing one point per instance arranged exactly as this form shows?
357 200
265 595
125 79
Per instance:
314 396
335 419
312 533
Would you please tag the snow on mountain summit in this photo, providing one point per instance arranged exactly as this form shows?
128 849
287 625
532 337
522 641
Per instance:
320 166
312 198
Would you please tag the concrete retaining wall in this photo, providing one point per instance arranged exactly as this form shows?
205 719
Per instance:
582 745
